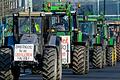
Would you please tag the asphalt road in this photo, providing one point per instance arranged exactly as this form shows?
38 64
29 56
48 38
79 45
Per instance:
107 73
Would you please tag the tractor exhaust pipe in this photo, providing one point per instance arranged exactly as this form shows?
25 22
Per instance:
30 19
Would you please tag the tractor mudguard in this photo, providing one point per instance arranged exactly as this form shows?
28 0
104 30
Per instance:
110 45
53 41
80 43
97 44
29 39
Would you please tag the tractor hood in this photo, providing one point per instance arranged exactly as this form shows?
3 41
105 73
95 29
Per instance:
29 39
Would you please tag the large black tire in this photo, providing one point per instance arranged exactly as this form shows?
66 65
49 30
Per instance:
59 67
104 58
118 51
78 61
5 64
49 67
110 60
97 57
87 61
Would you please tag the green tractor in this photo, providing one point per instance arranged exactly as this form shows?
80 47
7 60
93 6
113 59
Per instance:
104 47
96 29
111 47
100 43
100 40
115 24
118 43
33 44
62 21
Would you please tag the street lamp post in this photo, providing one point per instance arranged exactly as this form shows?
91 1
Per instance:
98 6
104 6
118 9
3 8
3 14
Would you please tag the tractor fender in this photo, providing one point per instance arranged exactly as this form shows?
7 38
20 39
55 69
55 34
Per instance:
80 43
29 39
97 44
54 42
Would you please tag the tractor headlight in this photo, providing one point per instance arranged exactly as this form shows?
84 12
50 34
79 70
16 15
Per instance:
75 29
52 30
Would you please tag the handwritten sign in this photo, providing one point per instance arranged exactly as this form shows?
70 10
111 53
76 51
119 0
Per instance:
24 52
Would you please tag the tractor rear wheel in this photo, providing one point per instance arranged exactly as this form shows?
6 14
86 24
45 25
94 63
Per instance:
110 56
118 51
50 70
5 64
59 67
87 61
97 58
78 61
104 58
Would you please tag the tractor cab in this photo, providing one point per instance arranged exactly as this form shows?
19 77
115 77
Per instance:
27 24
28 47
24 25
59 16
113 33
87 27
59 22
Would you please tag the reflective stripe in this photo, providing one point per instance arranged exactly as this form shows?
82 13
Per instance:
37 27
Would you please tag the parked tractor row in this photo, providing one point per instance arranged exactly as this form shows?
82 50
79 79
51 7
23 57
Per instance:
56 38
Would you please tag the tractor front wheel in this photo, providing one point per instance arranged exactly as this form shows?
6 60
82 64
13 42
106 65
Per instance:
78 61
111 61
118 51
97 58
5 64
50 64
